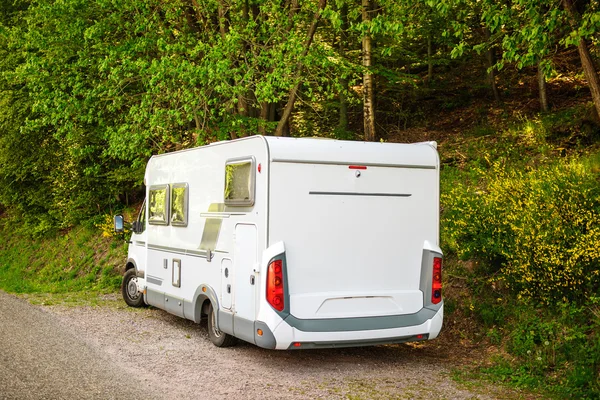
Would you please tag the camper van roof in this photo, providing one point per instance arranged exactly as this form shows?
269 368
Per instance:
314 150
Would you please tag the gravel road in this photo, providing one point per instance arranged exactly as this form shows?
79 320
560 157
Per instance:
118 352
42 358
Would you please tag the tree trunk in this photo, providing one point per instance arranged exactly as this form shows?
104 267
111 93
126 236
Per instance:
368 97
343 122
543 89
223 25
242 104
590 72
491 62
264 117
429 59
293 10
223 30
287 111
586 59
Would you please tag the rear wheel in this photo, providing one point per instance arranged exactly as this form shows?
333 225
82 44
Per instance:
129 288
219 339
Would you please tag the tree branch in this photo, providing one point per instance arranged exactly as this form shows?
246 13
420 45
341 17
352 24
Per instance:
287 111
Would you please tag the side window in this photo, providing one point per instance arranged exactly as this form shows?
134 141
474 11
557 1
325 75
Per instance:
239 182
158 201
142 218
179 204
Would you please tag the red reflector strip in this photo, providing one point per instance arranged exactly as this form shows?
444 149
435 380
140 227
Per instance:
297 344
357 166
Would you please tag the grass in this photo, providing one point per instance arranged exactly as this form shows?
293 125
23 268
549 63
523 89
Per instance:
79 260
77 299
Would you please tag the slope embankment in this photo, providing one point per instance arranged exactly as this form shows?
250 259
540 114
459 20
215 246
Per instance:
80 259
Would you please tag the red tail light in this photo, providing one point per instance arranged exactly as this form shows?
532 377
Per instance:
275 291
436 283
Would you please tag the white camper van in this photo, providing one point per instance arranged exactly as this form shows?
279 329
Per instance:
293 243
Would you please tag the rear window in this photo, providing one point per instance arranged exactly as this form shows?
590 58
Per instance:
239 182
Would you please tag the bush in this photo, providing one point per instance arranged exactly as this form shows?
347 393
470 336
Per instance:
536 231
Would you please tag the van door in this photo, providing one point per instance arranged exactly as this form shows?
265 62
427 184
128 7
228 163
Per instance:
245 258
139 249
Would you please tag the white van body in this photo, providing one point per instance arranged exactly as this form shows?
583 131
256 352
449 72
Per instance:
354 225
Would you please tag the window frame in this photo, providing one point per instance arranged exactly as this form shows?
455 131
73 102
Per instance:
165 187
142 218
252 188
186 196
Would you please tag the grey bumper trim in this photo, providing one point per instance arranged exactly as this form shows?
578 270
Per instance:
363 323
154 280
267 340
358 343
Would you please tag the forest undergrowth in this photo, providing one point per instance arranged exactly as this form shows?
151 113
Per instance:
521 235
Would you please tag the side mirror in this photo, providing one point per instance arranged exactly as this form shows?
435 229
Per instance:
119 224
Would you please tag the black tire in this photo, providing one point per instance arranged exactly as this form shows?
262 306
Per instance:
132 297
219 339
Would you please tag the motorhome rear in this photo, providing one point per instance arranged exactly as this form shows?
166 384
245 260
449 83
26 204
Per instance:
293 243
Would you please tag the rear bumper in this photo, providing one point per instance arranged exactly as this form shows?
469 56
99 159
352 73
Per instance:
367 331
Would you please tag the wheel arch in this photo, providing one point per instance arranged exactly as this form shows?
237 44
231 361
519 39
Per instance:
130 264
204 296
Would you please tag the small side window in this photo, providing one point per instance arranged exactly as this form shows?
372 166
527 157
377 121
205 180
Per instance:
239 182
158 201
141 226
179 204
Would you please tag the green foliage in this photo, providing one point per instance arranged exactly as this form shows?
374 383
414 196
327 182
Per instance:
539 230
89 90
527 31
96 88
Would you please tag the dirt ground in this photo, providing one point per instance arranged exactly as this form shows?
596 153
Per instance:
178 361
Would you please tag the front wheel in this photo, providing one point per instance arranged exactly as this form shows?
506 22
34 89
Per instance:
219 339
129 288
